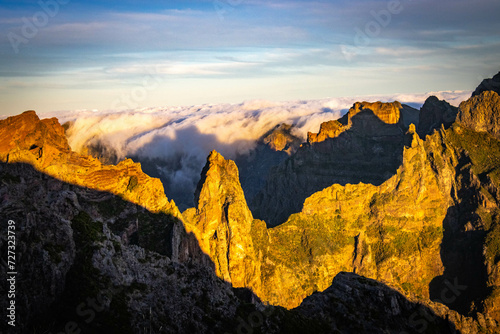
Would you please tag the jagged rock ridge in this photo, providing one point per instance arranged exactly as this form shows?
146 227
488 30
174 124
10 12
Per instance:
104 264
430 226
42 143
492 84
365 145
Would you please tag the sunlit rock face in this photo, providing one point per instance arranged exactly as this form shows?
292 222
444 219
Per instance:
433 222
330 129
481 113
42 143
281 138
222 223
365 145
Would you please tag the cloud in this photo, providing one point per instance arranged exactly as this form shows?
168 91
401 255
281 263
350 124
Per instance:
90 54
178 139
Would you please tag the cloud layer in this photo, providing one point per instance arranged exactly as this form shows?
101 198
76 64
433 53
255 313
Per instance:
180 138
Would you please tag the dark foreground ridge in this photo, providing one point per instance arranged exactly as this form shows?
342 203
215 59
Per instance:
90 261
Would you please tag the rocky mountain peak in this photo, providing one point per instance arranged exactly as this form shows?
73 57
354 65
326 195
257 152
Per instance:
492 84
219 181
43 144
481 113
281 139
387 112
26 132
222 221
433 114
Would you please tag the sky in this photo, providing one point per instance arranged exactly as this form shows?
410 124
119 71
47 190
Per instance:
60 55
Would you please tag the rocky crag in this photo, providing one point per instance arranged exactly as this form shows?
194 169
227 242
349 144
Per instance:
43 144
430 230
365 145
91 261
434 114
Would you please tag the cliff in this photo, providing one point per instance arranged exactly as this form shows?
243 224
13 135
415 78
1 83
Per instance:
481 113
42 143
330 129
433 114
365 145
432 225
491 84
369 118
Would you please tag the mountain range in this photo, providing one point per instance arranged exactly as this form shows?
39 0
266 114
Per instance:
385 221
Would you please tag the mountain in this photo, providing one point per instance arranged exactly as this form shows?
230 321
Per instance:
91 261
271 149
365 145
492 84
434 114
43 144
405 237
429 228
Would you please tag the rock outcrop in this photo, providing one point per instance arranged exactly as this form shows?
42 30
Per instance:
42 144
492 84
481 113
222 223
365 145
435 113
330 129
281 138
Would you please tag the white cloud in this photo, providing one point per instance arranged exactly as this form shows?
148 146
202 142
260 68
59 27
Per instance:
182 137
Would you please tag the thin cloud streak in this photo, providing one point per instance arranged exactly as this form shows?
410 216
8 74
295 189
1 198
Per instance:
294 47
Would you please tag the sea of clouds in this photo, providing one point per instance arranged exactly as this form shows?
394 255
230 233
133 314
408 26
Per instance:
182 137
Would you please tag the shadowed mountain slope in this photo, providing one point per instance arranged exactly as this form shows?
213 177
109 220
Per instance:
365 145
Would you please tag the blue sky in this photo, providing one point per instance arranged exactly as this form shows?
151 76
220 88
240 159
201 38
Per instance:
131 54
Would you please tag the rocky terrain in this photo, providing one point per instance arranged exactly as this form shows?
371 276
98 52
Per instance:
430 226
491 84
273 148
91 262
365 145
404 238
